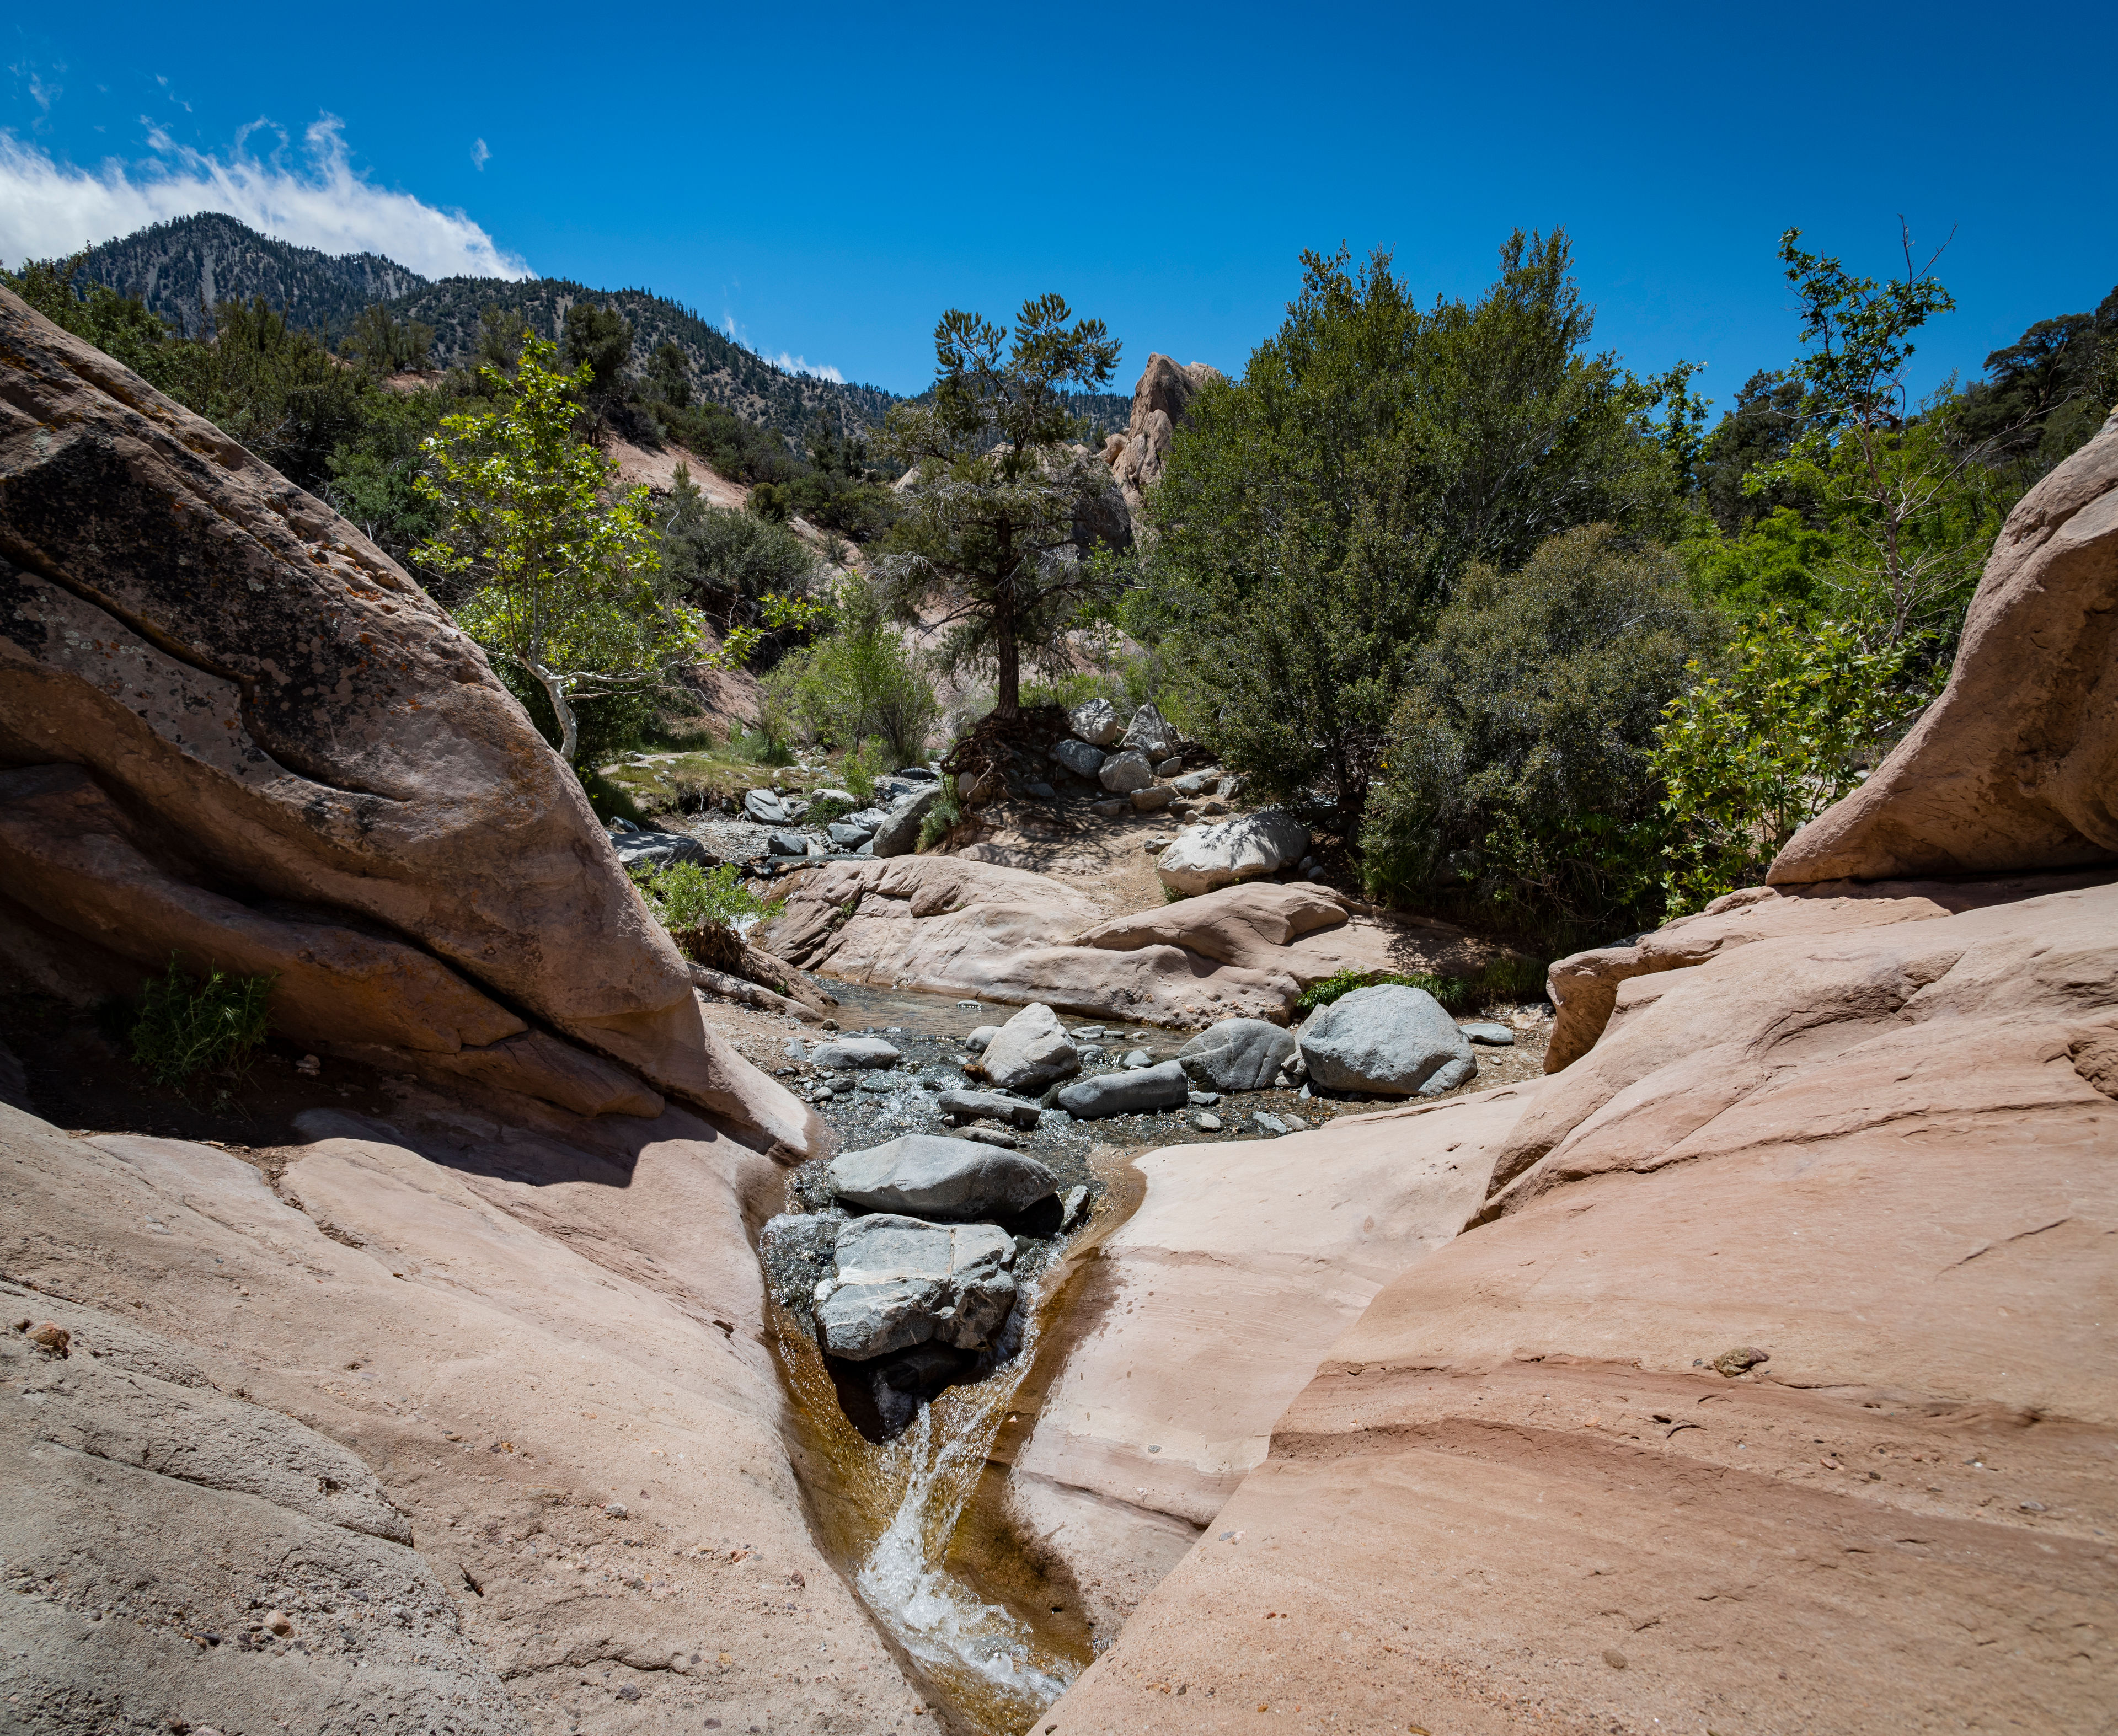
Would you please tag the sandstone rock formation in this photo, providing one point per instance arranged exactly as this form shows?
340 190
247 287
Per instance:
1770 1390
281 716
2014 767
1159 402
1209 1310
948 923
514 1345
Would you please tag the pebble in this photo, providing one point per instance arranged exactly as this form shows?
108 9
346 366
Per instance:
1140 1058
279 1622
991 1136
615 1509
1207 1124
1201 1099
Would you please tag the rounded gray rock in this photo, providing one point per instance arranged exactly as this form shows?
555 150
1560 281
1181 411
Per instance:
1237 1054
924 1175
1123 773
1097 722
855 1051
1031 1051
1079 757
1389 1039
1132 1092
899 1282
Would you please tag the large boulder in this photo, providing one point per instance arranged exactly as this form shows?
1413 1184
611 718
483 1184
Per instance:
261 689
1134 1091
1237 1054
1030 1051
766 807
1079 757
1123 773
1389 1039
987 1106
1152 734
900 1282
2015 766
1160 401
1097 722
640 848
920 1175
839 1052
1245 848
898 833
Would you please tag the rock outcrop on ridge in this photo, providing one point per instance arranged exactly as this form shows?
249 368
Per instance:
2015 766
1159 402
258 709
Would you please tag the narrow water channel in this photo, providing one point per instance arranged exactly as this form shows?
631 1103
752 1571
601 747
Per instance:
990 1628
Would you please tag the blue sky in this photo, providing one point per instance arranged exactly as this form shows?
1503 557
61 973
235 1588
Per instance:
827 179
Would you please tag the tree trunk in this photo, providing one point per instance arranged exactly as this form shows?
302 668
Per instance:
1010 678
555 690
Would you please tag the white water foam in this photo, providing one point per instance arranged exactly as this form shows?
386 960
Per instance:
933 1615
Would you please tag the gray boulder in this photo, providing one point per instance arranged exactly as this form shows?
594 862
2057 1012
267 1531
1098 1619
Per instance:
787 843
1152 734
1153 798
1123 773
1389 1039
1245 848
1489 1033
845 835
1132 1092
987 1106
1079 757
898 1282
765 807
1097 722
923 1176
842 1052
899 830
1031 1051
844 798
977 1040
1237 1054
658 849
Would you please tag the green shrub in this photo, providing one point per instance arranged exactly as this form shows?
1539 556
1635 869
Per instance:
858 684
186 1027
943 818
868 761
684 895
1510 977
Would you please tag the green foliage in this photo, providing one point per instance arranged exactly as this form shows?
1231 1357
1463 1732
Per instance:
685 895
385 344
751 576
1313 518
986 533
1775 562
1508 977
186 1027
869 760
121 328
859 684
599 341
2046 394
943 818
565 582
1518 782
1749 757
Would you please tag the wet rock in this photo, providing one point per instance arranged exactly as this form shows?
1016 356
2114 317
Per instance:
1138 1058
856 1051
987 1106
1031 1051
1238 1054
1079 758
787 843
900 1282
923 1174
1123 773
1489 1032
1128 1093
846 835
977 1040
1389 1039
999 1137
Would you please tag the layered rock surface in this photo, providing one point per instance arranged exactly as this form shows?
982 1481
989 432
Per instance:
281 713
948 924
1885 1158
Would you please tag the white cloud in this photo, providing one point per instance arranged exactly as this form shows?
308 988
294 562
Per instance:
480 155
787 364
48 208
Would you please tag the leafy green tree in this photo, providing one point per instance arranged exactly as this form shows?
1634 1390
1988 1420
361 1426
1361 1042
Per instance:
985 533
1749 756
501 333
565 577
382 343
2044 396
1759 433
122 327
669 376
600 341
1518 785
1314 516
1777 563
1914 515
858 685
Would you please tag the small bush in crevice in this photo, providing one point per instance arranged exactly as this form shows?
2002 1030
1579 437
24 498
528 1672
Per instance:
186 1027
1510 977
943 818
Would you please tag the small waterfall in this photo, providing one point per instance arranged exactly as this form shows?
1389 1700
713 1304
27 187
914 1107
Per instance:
978 1649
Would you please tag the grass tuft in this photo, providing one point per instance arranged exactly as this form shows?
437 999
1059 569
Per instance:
185 1027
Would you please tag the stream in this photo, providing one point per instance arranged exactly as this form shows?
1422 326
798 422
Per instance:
989 1630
